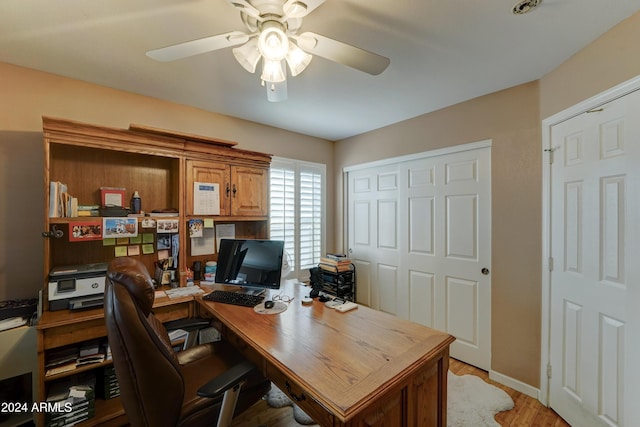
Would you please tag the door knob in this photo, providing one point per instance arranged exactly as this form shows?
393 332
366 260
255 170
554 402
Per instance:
484 271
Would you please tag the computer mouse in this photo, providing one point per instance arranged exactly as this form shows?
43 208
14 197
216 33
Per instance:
269 304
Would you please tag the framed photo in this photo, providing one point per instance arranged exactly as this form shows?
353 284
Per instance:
120 227
85 230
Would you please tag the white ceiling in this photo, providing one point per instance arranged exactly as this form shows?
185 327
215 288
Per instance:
442 52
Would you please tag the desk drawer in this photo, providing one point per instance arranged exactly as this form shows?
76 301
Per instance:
166 313
307 403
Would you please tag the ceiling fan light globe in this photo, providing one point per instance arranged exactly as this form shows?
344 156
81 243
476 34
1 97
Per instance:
272 72
297 59
248 55
273 43
295 9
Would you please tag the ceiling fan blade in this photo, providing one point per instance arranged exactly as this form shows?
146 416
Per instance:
196 47
343 53
246 7
276 92
300 8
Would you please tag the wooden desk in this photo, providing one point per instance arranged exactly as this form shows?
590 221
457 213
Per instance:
360 368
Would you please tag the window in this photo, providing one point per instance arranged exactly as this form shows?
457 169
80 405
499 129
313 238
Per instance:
297 212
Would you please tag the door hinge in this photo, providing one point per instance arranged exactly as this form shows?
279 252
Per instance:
550 263
549 370
550 151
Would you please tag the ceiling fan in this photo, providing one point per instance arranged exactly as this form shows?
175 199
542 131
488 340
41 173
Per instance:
272 35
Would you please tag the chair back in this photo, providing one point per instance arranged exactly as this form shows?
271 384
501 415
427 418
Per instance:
151 384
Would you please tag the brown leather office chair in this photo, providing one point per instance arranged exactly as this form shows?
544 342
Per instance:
159 387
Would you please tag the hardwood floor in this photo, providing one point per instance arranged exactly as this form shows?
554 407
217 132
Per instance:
526 412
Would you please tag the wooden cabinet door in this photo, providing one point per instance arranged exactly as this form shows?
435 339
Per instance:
215 173
249 191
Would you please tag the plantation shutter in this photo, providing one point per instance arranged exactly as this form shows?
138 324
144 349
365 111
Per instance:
297 211
283 209
310 218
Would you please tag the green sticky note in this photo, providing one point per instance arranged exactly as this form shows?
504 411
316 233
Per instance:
121 251
109 241
147 248
147 237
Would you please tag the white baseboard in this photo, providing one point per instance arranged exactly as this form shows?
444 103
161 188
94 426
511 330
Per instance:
515 384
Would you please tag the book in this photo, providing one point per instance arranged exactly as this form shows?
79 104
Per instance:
331 261
58 369
58 198
335 267
92 358
89 348
62 356
88 210
88 207
336 257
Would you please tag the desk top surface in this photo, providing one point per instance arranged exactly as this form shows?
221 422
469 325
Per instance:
342 359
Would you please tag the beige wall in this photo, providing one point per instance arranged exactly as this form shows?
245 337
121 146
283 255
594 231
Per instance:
510 119
607 62
27 95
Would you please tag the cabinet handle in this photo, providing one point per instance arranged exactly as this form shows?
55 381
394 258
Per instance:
55 232
292 394
228 189
234 190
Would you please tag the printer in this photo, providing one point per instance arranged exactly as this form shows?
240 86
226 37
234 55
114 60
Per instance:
77 287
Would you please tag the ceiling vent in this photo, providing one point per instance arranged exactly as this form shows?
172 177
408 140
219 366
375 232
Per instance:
525 6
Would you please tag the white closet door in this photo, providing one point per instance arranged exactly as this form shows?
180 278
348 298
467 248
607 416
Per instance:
595 241
420 237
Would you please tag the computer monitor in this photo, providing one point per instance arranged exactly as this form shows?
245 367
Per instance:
254 265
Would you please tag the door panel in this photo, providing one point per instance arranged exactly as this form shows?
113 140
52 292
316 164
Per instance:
462 226
421 231
595 196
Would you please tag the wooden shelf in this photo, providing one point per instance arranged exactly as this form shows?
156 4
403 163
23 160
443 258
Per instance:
161 165
108 413
77 370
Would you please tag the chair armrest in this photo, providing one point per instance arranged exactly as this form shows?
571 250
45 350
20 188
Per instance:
187 324
228 379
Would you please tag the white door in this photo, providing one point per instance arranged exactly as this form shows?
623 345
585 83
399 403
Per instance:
419 236
595 238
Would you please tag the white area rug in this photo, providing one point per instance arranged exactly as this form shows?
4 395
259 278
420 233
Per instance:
277 399
471 402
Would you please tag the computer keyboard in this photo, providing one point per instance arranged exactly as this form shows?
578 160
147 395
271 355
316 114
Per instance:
235 298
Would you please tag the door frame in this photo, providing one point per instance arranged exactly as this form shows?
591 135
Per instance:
594 102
